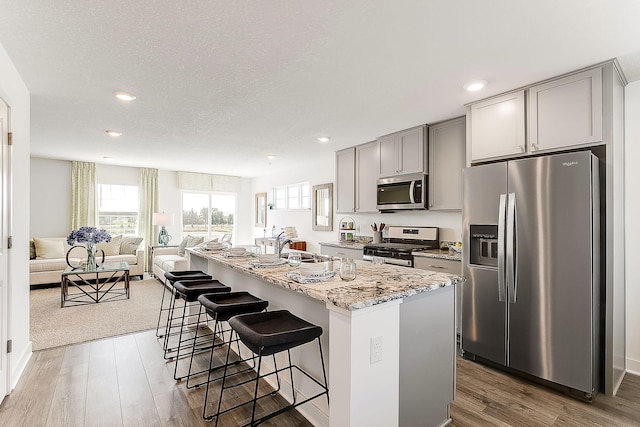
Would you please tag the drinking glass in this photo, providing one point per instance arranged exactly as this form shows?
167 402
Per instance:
295 259
256 250
348 270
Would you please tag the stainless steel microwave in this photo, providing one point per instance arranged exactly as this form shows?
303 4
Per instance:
402 192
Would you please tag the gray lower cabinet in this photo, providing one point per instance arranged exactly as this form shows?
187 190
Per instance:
343 252
446 161
444 266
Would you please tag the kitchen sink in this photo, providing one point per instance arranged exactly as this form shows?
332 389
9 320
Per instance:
308 257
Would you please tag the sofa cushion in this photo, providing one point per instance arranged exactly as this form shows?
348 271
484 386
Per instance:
170 262
128 258
49 248
129 244
57 264
110 248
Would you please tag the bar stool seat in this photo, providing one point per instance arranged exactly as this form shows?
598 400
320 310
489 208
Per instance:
274 331
190 290
268 333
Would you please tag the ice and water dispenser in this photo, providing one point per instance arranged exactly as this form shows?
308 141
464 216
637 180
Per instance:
483 245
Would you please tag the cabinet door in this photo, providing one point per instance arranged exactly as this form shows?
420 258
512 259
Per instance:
366 177
497 127
411 150
566 112
388 148
345 180
446 161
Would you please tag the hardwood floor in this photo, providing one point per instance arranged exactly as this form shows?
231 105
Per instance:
124 381
120 381
488 397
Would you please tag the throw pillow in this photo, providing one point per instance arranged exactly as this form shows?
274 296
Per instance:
183 244
129 244
195 241
110 248
32 249
49 248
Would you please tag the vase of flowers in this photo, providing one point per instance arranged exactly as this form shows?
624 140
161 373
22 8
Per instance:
88 237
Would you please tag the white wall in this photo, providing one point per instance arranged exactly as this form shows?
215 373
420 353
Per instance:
14 92
632 226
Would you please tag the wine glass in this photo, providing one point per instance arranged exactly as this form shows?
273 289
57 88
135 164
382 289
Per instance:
295 259
348 270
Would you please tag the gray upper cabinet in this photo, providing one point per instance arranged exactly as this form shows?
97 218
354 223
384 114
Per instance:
446 161
566 112
497 127
562 113
345 180
366 176
403 152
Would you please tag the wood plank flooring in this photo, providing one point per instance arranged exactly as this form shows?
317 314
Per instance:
124 381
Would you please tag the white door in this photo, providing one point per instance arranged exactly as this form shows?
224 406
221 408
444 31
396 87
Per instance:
4 233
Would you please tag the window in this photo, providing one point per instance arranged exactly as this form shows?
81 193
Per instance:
295 196
209 215
118 208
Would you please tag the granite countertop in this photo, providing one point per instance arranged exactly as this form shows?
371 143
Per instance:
438 253
347 245
375 283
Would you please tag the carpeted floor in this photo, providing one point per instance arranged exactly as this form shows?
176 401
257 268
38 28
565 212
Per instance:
52 326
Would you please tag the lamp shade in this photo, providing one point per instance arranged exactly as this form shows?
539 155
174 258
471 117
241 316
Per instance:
162 218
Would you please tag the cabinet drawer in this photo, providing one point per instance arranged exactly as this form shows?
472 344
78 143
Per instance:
439 265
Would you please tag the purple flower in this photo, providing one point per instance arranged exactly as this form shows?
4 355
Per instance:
88 235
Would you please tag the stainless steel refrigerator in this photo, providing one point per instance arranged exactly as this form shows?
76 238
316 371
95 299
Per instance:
531 231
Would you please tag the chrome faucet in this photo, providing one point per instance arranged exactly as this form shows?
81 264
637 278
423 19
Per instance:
280 245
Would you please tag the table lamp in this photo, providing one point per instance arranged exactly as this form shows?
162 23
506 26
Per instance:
162 219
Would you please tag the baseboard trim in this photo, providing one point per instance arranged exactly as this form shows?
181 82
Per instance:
633 366
21 365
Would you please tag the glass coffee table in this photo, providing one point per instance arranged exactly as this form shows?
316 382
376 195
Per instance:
107 282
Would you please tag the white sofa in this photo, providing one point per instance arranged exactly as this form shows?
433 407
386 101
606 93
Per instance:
167 259
48 270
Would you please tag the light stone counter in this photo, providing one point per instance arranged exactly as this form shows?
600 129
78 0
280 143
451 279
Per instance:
375 283
344 245
438 253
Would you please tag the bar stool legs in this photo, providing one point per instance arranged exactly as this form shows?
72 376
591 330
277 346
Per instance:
266 334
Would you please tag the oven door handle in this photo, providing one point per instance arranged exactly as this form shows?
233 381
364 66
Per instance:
400 262
411 190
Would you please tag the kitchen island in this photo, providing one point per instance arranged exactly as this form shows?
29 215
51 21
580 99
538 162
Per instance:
389 339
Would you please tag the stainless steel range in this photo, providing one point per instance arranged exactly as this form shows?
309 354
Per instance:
401 242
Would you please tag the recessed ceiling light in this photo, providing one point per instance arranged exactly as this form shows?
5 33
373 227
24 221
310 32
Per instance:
271 156
324 138
475 85
113 133
124 96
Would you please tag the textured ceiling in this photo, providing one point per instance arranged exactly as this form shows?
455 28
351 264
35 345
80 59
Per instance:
222 84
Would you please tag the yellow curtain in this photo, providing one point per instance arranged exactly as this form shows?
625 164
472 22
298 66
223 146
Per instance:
83 195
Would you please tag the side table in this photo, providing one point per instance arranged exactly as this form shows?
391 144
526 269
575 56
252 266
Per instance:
98 287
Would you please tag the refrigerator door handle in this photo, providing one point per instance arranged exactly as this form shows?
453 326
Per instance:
502 287
512 244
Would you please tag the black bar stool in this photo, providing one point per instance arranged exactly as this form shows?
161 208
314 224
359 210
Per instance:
222 307
171 277
266 334
187 292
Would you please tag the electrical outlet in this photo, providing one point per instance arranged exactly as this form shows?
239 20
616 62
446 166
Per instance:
375 350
